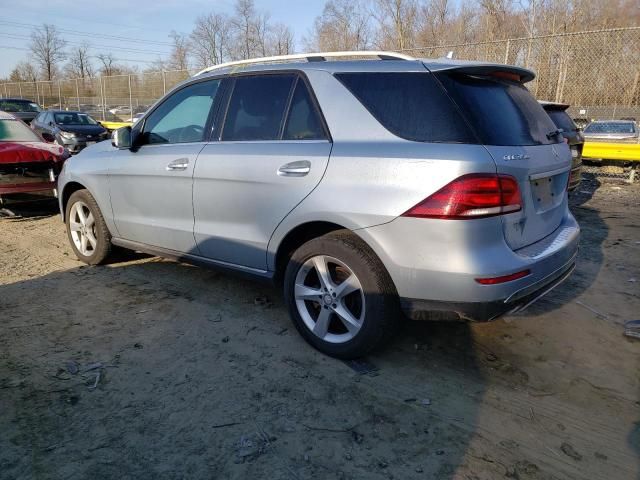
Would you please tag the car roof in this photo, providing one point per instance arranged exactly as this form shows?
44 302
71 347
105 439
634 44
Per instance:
344 66
6 116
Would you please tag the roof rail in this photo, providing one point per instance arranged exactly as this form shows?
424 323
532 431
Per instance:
310 57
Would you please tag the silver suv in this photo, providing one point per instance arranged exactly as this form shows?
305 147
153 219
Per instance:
364 187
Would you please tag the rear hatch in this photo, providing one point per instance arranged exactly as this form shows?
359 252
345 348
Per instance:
523 142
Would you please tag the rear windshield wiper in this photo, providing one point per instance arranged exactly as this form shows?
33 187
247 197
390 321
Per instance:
555 133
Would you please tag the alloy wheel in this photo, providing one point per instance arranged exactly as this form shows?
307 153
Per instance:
82 226
330 299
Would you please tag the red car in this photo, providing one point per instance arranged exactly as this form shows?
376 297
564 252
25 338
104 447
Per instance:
29 166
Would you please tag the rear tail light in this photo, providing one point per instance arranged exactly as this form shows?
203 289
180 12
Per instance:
471 196
503 279
574 151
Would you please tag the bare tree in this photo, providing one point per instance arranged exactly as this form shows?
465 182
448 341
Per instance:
244 22
281 40
109 66
396 21
47 47
178 60
211 39
343 25
79 64
24 72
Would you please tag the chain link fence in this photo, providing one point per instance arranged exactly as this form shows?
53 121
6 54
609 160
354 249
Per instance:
109 98
596 72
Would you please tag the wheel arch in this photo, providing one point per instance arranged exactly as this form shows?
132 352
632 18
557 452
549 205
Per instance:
69 189
301 234
295 238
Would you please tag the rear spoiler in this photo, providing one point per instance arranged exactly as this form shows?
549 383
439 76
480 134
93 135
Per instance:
512 72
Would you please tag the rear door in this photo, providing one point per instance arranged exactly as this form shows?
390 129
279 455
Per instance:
524 143
272 150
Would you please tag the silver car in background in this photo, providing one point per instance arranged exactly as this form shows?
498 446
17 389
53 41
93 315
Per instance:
363 187
622 131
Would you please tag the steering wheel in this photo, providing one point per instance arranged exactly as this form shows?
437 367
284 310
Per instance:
191 133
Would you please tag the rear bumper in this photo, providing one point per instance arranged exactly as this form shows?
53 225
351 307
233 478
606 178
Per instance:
434 265
485 311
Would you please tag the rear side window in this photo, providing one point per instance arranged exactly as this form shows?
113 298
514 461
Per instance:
500 111
562 120
257 107
410 105
303 121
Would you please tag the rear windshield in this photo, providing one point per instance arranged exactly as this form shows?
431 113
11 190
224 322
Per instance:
16 131
410 105
18 106
562 120
610 127
501 112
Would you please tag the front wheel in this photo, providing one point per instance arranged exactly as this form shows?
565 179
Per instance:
87 231
340 296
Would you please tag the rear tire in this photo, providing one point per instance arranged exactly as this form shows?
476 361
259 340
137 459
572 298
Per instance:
86 229
340 297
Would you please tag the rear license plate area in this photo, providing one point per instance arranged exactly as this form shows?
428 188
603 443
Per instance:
548 192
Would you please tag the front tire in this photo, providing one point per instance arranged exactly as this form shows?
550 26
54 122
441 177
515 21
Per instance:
340 297
86 229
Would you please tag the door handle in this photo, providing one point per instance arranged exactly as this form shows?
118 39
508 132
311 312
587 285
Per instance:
295 169
178 165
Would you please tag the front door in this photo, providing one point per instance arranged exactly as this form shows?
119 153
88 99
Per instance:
272 151
151 186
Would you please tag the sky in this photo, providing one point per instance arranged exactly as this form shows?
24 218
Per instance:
148 20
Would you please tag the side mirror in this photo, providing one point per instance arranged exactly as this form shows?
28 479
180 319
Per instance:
48 137
121 138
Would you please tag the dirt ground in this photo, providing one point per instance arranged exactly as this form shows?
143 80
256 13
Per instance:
200 377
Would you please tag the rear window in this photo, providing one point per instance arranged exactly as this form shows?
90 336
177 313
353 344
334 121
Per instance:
500 111
16 131
562 120
18 106
410 105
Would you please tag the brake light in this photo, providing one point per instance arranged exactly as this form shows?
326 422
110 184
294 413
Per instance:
503 279
475 195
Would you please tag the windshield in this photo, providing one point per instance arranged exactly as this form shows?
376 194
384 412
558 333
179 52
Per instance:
73 118
502 112
19 106
610 127
16 131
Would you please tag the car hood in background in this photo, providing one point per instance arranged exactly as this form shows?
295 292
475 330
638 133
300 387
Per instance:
30 152
83 129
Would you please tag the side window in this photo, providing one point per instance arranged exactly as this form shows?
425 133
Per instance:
38 118
257 107
303 122
410 105
47 118
182 117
